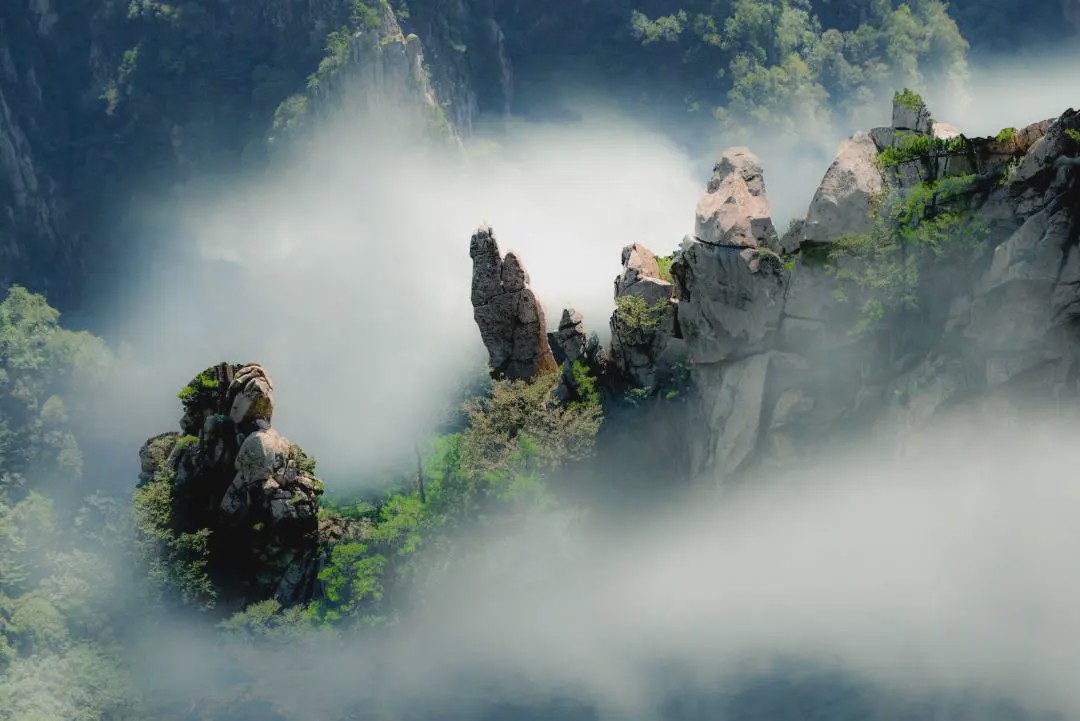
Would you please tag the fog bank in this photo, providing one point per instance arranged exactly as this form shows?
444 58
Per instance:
942 576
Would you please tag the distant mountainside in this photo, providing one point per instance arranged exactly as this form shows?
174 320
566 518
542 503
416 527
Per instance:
106 104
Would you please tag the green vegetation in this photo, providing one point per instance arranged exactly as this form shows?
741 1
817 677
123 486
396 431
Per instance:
909 99
585 383
926 225
205 381
304 463
494 471
1007 135
42 366
916 146
1073 135
185 441
174 563
57 660
787 63
637 319
664 264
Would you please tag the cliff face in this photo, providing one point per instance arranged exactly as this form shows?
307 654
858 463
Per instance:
933 273
33 233
102 102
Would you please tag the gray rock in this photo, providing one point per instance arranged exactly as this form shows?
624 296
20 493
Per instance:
730 300
252 394
914 117
842 203
510 319
570 340
243 482
742 400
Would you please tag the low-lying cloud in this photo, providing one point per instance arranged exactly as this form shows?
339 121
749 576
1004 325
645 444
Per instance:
942 576
347 273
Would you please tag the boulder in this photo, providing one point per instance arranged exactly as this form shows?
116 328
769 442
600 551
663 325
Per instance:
252 394
734 210
510 319
842 203
910 113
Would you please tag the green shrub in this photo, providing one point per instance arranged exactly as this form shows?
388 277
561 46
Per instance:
304 463
585 382
351 579
185 441
916 146
175 563
908 99
1007 135
1073 135
664 264
923 226
636 319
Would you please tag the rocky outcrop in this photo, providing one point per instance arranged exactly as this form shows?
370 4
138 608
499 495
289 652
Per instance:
734 211
729 282
511 320
932 272
232 474
645 342
842 203
779 362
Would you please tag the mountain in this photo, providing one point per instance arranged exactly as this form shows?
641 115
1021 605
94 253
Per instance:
106 107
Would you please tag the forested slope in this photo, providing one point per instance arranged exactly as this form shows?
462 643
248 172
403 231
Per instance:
105 104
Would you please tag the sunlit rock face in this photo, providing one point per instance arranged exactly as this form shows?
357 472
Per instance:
734 210
776 331
510 318
842 203
233 474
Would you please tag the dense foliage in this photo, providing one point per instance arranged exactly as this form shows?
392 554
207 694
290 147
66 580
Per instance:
927 226
493 472
59 658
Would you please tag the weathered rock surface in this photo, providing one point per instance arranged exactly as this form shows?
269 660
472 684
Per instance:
788 354
511 320
734 209
912 115
778 366
570 342
730 300
842 203
233 474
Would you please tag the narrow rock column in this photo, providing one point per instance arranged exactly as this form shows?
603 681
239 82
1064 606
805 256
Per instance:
511 320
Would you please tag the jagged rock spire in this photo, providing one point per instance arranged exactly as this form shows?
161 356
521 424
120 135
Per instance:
735 208
511 320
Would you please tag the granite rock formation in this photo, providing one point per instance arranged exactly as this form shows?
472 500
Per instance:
231 473
511 320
